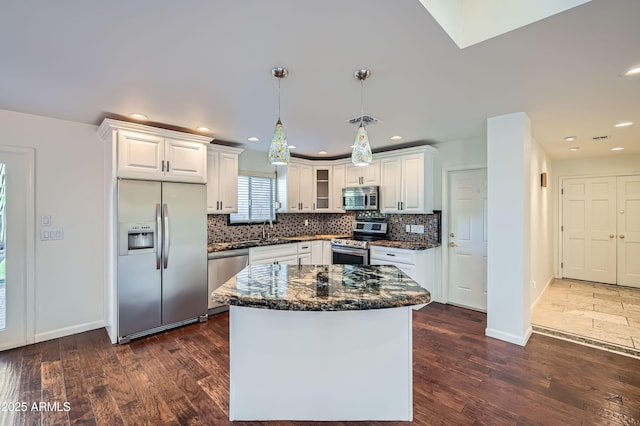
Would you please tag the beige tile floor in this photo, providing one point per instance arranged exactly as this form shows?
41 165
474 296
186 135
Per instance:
606 316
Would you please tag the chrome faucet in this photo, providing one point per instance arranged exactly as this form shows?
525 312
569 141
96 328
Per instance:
265 234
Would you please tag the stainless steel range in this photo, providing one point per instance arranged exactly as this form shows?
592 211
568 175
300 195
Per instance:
355 250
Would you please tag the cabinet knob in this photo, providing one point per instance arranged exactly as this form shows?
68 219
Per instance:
453 244
611 236
452 235
621 236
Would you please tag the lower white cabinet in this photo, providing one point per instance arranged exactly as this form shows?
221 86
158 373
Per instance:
417 264
305 253
327 256
317 257
286 254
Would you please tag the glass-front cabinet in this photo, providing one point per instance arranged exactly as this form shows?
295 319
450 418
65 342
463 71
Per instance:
322 188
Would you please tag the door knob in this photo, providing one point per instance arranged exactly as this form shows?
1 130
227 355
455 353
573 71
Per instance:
621 236
611 235
453 244
452 235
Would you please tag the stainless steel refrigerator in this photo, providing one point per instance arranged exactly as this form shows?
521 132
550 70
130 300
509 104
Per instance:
162 256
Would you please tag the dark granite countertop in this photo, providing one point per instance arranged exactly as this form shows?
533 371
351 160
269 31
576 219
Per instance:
407 245
321 288
234 245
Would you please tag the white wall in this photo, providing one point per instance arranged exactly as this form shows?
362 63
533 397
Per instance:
256 163
509 228
542 223
69 274
602 166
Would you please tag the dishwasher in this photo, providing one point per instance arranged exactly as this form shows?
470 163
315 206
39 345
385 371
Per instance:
222 265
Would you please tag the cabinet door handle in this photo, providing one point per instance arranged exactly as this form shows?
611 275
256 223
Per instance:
401 205
398 205
391 254
314 206
163 165
167 166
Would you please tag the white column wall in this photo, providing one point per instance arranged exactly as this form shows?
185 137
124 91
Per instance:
509 220
69 274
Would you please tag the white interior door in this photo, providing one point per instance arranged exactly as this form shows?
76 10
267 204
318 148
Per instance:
589 229
628 227
16 247
468 238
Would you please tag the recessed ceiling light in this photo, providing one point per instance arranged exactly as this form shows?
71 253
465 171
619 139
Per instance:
253 139
395 138
570 138
137 116
634 70
292 147
203 129
322 152
617 148
574 148
624 124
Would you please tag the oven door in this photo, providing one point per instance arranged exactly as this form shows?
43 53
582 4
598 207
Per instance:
349 255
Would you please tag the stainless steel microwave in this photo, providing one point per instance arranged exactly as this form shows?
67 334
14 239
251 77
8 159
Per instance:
361 198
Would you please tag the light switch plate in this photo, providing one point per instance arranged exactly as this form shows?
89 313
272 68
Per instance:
51 234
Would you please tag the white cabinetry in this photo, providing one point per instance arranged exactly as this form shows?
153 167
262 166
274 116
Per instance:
317 253
339 177
305 253
145 152
327 256
363 175
282 253
295 187
222 179
417 264
322 179
407 181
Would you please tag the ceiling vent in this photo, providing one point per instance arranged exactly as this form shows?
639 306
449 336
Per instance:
600 138
368 120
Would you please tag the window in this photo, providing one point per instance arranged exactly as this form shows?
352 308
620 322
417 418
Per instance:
256 200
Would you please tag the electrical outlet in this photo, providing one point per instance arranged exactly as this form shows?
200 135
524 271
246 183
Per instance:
533 283
306 222
408 228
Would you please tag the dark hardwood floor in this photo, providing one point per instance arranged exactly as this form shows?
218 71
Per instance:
182 377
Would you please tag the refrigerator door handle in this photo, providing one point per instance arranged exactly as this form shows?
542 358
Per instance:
166 244
158 236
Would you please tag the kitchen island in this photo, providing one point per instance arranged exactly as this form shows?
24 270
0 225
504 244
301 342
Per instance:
330 342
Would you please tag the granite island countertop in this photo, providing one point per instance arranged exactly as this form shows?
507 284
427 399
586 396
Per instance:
406 245
321 288
234 245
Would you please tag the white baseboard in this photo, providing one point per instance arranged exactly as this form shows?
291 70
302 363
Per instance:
508 337
535 302
67 331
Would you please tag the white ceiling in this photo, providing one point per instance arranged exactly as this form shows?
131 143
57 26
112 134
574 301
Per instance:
208 62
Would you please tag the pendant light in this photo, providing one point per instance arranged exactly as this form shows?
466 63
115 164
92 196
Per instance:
279 149
361 155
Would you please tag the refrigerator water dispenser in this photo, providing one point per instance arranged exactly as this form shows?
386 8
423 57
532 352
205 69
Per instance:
137 238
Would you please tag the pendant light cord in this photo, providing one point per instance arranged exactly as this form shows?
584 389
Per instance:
362 103
279 97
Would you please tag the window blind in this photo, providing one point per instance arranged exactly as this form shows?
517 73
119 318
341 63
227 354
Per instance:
256 200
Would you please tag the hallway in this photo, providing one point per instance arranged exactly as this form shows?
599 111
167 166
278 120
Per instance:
601 315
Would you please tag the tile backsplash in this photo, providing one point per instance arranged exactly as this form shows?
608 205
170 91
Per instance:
293 224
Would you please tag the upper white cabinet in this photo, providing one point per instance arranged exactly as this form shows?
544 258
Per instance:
322 190
145 152
295 187
222 179
363 175
406 178
339 172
